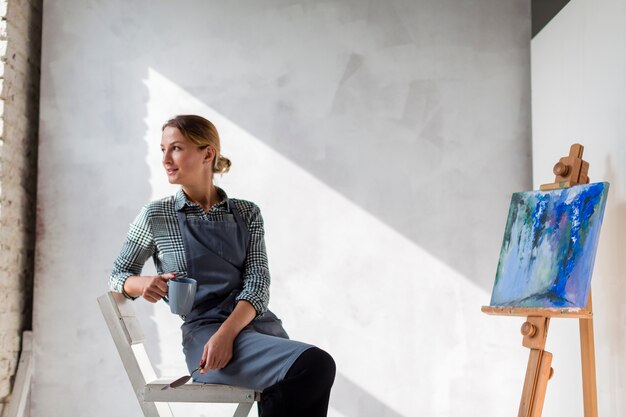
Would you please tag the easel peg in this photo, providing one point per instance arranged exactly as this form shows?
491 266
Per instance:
560 169
528 329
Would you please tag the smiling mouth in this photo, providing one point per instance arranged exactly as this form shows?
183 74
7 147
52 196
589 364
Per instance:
170 171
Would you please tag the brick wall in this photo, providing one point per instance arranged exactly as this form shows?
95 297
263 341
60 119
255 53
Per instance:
20 55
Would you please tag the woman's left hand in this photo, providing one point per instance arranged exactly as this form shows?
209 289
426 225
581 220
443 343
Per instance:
218 351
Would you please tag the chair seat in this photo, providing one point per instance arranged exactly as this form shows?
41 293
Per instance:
128 337
197 392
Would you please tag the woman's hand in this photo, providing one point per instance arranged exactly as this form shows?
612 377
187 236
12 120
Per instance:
218 351
152 288
155 288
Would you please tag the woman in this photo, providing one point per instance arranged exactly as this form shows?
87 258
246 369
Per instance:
201 233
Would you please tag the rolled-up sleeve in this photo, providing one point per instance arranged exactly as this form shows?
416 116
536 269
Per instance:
137 249
256 276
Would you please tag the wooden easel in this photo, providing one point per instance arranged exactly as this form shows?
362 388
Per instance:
570 170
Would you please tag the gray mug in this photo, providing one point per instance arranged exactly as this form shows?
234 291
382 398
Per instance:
181 294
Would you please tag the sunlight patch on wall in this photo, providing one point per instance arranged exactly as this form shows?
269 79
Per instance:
342 279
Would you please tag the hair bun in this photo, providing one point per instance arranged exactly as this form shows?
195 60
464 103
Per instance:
222 165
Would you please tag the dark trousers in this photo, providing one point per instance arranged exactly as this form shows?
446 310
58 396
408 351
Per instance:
305 391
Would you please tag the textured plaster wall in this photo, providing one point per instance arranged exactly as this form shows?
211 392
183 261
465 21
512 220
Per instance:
579 62
20 49
381 140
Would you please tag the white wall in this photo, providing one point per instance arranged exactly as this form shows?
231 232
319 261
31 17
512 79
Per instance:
382 141
579 95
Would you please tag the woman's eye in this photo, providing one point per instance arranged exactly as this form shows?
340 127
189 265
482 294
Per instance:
176 148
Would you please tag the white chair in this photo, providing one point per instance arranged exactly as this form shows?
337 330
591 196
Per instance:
128 337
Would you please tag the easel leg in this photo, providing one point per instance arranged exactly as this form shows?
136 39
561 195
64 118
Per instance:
587 353
538 373
588 362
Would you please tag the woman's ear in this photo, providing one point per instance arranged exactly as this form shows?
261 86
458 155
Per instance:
209 155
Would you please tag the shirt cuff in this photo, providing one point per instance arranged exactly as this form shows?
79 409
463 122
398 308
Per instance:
124 293
259 305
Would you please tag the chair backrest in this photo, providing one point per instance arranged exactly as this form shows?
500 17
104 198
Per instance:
128 337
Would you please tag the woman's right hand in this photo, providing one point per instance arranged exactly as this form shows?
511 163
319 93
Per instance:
152 288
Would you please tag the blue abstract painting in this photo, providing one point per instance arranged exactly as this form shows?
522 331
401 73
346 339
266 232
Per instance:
549 247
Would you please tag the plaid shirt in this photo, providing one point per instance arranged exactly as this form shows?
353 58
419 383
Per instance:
155 233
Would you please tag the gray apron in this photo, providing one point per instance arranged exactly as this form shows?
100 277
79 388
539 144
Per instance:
216 253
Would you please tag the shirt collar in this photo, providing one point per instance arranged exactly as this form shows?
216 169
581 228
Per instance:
181 200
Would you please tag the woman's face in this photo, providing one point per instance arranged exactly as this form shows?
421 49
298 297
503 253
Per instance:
184 162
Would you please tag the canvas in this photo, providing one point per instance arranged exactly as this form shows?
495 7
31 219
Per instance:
549 247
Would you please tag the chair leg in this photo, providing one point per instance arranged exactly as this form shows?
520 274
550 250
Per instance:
151 409
243 409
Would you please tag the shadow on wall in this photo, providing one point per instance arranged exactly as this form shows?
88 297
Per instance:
128 178
88 204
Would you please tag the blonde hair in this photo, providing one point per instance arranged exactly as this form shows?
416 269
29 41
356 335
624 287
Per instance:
201 133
